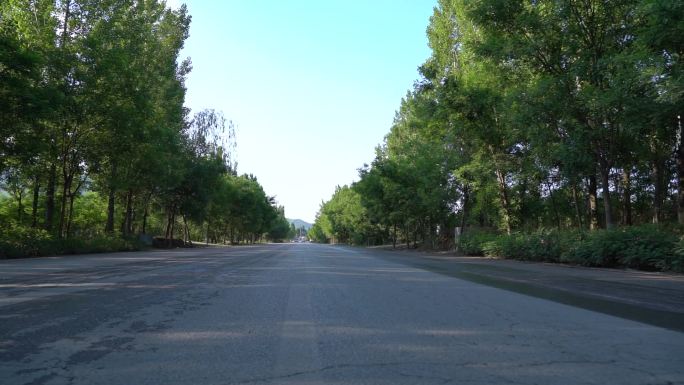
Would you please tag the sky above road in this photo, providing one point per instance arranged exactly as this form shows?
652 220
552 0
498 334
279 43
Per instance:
312 85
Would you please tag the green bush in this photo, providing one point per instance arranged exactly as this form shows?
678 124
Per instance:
675 262
472 241
646 247
542 246
501 246
18 242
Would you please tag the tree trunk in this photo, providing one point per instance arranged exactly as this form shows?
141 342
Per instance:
186 232
554 204
394 238
464 217
72 197
523 199
593 209
66 188
169 220
626 197
128 215
145 213
578 211
605 187
505 203
464 211
111 201
65 29
20 207
657 180
172 219
50 197
680 172
173 226
36 196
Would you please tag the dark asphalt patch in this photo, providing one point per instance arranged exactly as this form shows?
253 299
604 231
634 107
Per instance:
99 350
661 318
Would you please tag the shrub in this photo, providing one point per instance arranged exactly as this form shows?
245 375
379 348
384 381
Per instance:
543 245
18 242
472 242
646 247
501 246
676 262
643 247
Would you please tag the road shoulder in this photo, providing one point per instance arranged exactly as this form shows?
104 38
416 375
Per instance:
655 298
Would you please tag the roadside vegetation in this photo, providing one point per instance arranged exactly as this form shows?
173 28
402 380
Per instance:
546 131
96 147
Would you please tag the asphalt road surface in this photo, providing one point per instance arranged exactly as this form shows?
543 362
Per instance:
304 314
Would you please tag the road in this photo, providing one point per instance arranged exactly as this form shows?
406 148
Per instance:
304 314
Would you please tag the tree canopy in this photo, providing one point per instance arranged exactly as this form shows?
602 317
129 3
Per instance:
94 137
528 116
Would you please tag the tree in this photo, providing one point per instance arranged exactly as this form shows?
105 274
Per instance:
662 38
523 114
279 228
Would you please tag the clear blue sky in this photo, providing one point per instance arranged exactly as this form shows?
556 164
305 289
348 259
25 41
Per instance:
312 85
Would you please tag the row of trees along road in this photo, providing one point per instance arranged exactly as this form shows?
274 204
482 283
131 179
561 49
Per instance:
529 115
94 138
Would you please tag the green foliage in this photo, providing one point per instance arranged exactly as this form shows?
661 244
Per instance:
279 228
239 210
316 233
541 246
642 247
89 215
17 242
528 116
648 247
532 116
677 261
473 242
95 143
342 219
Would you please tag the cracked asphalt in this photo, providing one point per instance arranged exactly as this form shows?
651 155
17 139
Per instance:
317 314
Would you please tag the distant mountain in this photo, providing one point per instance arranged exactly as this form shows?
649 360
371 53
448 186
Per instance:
300 223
